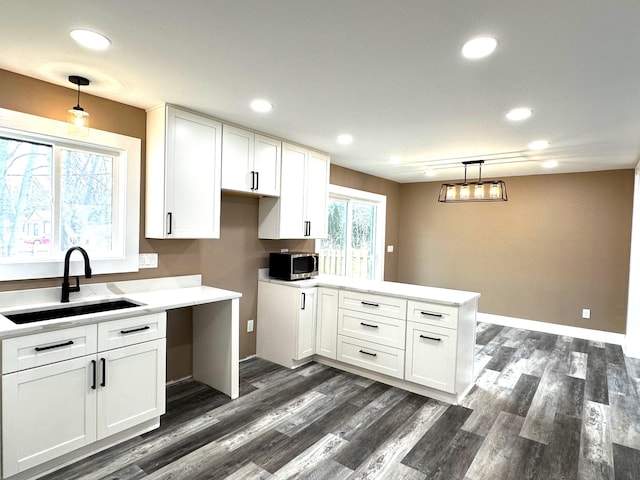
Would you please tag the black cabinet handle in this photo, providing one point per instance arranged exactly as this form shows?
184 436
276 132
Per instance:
369 304
304 301
253 180
124 332
104 372
58 345
368 325
369 353
257 181
432 314
169 222
307 228
431 338
93 367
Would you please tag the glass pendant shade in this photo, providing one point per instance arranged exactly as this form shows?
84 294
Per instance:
488 191
78 117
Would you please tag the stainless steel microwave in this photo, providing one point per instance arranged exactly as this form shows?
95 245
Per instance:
293 265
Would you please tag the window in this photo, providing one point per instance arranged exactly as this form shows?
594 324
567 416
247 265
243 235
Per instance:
57 191
354 246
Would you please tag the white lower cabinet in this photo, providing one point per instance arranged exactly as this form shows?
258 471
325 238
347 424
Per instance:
57 407
431 356
46 412
286 326
132 386
327 322
424 346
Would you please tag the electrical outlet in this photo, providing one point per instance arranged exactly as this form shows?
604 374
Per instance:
586 313
389 248
250 326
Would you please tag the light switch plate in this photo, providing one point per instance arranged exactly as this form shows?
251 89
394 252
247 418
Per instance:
148 260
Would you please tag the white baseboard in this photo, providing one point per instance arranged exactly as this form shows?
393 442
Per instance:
577 332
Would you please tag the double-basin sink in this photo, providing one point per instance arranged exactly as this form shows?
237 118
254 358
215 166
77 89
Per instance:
50 313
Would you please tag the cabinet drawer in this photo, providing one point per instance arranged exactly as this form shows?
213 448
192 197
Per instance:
373 328
431 356
371 356
377 304
31 351
128 331
432 314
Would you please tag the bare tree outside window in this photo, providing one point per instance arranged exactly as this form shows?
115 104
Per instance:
36 223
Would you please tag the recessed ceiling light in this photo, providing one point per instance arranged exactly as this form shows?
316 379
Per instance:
395 159
520 113
479 47
430 173
262 106
345 139
538 145
550 164
89 39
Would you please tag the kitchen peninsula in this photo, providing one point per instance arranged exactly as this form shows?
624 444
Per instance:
82 383
414 337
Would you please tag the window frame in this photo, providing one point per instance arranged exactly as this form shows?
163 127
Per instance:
127 150
362 196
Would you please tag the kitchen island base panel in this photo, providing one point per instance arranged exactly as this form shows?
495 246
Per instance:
453 399
84 452
216 345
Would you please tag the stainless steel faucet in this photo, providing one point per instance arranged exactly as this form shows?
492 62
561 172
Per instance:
66 288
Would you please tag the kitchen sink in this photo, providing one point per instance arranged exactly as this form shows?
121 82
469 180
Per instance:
70 311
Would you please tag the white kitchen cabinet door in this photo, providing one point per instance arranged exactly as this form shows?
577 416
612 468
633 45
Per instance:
183 174
266 164
316 191
326 322
292 192
47 411
250 162
306 339
301 210
131 387
237 159
431 356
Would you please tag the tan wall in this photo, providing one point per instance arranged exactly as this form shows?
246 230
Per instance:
345 177
230 262
560 244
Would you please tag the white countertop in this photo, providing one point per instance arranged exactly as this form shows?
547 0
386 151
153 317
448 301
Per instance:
409 291
153 295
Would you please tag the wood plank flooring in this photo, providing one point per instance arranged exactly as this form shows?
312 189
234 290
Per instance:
543 407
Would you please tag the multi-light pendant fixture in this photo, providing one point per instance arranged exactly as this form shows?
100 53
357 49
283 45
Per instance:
78 117
489 191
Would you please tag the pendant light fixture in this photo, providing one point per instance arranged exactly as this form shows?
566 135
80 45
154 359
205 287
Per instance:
489 191
78 118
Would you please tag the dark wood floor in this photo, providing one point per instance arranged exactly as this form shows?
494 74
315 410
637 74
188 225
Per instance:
543 407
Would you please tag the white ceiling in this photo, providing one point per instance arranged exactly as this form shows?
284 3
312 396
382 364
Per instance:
388 72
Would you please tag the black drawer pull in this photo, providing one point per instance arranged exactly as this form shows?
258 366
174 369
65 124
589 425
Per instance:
369 353
431 338
368 325
93 367
124 332
104 372
57 345
439 315
370 304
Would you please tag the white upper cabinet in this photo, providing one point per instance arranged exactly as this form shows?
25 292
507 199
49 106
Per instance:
250 162
301 210
183 174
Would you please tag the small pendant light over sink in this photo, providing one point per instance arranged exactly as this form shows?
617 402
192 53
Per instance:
489 191
78 118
